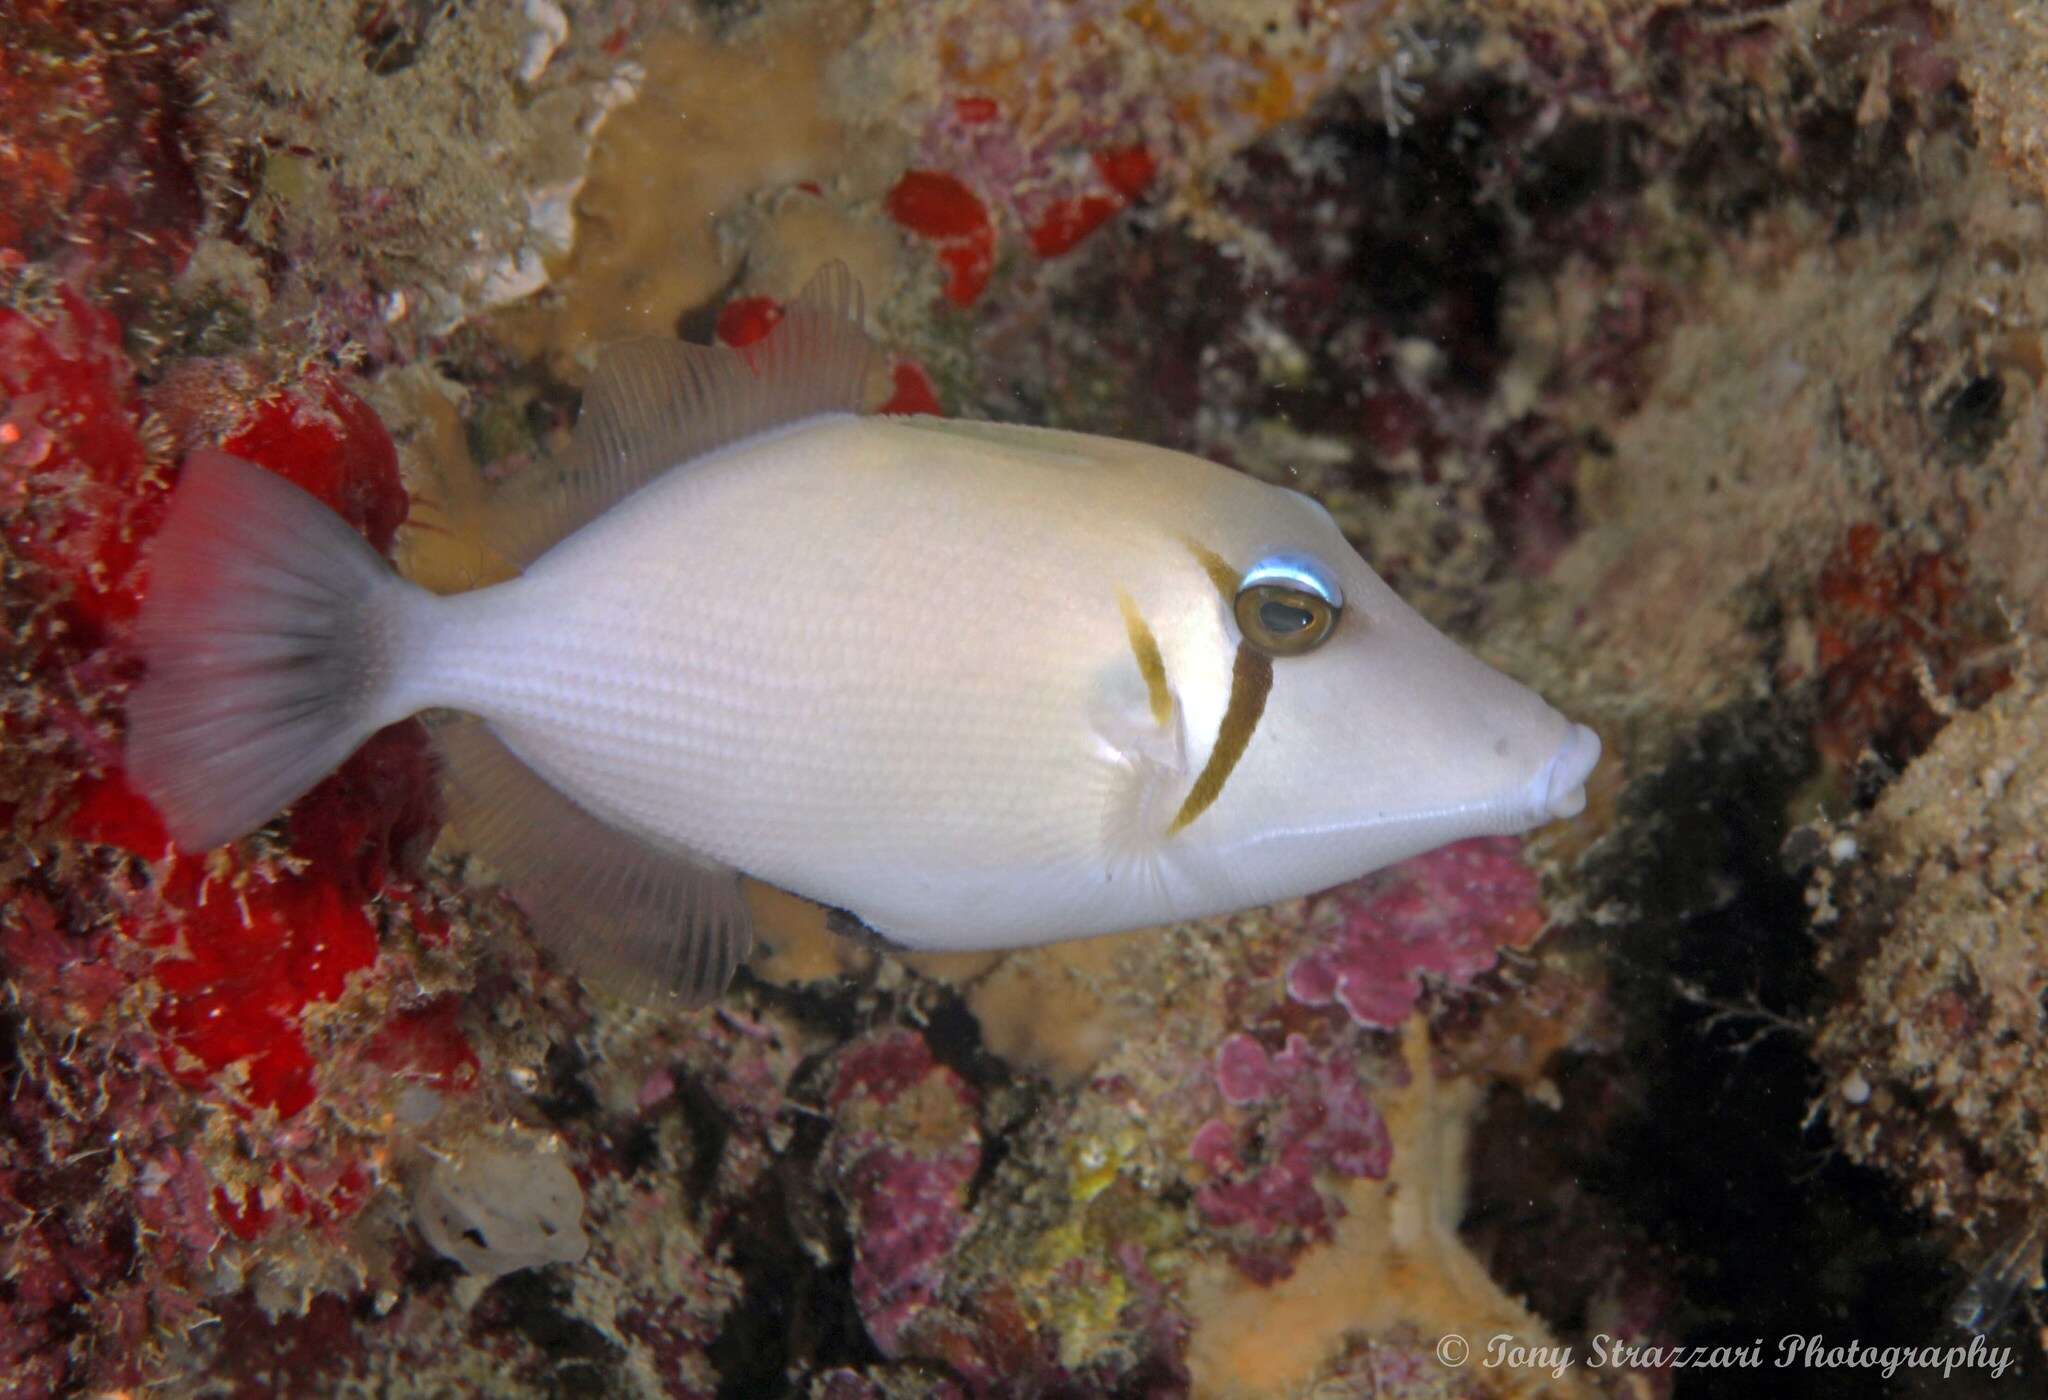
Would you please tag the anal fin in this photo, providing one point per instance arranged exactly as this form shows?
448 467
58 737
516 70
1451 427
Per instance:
633 917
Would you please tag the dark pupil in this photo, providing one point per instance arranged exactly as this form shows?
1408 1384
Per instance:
1283 618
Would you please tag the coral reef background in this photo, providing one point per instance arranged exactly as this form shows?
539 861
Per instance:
1686 359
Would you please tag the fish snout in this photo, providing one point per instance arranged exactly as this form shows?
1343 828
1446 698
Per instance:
1559 787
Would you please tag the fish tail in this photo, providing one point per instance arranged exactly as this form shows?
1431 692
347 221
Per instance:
273 636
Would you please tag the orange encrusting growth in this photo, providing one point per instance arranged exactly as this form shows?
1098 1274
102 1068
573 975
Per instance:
1883 614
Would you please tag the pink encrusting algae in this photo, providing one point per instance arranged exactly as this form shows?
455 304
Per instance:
1298 1116
1445 915
905 1145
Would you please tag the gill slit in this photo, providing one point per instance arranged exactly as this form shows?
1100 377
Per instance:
1251 681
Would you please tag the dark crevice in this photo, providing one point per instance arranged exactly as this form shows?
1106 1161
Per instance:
710 1129
797 1315
565 1094
394 33
1006 1100
535 1304
639 1149
1972 418
954 1035
1689 1157
836 1011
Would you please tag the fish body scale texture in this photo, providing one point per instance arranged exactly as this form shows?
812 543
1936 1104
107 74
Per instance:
847 656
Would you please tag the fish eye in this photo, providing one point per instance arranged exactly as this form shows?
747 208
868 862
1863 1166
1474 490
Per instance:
1288 604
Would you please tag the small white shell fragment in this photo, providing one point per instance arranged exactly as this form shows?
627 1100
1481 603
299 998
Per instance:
500 1208
417 1106
551 214
615 92
551 31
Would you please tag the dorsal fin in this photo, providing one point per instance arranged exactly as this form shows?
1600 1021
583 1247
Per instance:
634 918
655 404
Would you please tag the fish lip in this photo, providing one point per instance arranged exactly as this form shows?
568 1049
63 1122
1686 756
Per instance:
1559 790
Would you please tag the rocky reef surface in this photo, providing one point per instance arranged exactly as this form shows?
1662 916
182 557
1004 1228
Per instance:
1683 358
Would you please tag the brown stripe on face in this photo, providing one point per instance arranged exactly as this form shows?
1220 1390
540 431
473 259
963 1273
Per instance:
1251 680
1151 665
1220 573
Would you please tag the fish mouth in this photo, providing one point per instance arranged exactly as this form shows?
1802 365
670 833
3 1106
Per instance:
1559 790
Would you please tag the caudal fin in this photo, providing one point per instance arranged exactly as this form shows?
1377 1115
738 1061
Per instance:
268 632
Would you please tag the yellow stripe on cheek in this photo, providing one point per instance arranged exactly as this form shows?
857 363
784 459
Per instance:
1151 665
1220 573
1251 679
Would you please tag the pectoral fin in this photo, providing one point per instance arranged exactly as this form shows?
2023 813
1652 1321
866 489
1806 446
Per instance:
1147 759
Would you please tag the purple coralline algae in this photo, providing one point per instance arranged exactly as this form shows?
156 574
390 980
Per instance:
1299 1115
905 1145
1445 914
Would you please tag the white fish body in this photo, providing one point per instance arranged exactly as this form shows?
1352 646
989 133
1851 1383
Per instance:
978 685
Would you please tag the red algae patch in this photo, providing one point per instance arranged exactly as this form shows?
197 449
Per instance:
72 457
911 391
247 963
1125 171
744 320
320 436
938 207
182 1017
246 946
98 167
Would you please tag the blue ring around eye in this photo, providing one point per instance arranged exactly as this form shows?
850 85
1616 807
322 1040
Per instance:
1299 571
